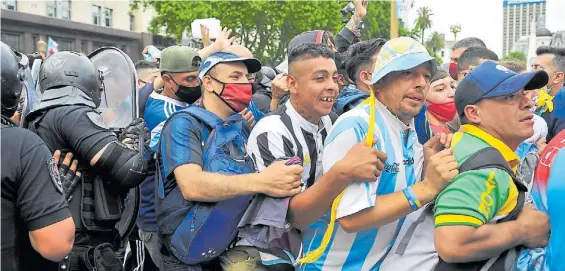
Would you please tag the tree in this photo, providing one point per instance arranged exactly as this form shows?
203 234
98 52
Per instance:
515 56
436 42
265 27
424 20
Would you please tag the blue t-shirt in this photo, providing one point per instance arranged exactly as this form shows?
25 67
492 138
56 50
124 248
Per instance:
157 110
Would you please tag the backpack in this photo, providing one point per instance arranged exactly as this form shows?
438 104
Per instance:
208 228
490 158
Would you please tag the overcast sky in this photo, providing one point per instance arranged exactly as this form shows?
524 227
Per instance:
480 18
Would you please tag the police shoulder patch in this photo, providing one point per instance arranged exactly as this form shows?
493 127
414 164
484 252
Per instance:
97 120
54 173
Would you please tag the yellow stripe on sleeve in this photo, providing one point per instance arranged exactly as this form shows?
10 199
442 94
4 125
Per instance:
452 220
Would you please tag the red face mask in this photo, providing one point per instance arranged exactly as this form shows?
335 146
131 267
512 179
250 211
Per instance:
453 70
236 96
443 112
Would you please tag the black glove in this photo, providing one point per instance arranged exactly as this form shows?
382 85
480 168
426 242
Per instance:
135 134
69 179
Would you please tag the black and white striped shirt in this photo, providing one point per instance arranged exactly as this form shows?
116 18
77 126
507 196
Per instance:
284 134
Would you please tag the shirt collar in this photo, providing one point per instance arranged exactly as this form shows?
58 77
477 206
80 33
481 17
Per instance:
304 124
509 155
162 97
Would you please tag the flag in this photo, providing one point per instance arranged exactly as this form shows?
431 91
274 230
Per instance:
51 47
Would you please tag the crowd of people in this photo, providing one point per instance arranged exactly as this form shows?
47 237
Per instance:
350 155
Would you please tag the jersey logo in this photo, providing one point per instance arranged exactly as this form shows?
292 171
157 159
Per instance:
486 198
54 173
392 168
98 120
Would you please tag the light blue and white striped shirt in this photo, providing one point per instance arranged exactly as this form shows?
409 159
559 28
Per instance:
366 250
157 110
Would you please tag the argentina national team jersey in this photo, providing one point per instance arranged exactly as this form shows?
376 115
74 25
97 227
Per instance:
157 110
366 250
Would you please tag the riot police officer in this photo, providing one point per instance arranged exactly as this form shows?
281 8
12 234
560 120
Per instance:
37 227
67 120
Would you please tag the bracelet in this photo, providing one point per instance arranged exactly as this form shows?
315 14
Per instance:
412 199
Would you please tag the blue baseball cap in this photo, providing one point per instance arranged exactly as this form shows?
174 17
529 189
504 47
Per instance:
401 54
253 64
491 79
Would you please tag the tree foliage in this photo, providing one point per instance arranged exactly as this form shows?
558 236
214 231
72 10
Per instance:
515 56
424 20
436 42
265 27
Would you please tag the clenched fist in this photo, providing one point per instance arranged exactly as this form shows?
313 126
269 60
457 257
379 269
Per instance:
440 170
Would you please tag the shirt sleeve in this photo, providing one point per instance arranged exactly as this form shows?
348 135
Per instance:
84 130
344 39
343 136
181 144
39 197
473 198
268 142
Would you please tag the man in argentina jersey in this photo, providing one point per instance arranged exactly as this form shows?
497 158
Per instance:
299 127
371 214
179 68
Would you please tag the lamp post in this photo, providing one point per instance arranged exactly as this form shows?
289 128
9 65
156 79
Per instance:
455 28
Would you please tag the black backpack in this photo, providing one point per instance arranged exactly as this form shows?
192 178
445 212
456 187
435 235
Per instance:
491 158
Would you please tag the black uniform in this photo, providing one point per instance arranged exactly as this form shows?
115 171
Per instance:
67 120
32 198
32 193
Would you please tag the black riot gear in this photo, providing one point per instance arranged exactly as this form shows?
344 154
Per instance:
69 119
71 69
12 80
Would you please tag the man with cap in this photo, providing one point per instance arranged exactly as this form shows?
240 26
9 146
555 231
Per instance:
372 216
225 92
478 214
179 73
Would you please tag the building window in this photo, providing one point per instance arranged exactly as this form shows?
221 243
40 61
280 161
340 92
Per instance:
131 22
59 9
96 10
10 4
107 17
65 9
51 8
13 40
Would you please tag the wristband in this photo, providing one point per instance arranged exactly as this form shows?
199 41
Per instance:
412 198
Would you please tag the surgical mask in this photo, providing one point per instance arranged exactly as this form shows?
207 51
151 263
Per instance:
236 96
453 70
186 94
443 112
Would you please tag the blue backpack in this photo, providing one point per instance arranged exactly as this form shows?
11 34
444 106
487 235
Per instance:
208 228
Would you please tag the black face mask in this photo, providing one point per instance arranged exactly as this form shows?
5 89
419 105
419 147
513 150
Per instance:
186 94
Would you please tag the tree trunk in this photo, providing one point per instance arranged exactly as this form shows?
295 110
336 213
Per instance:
422 36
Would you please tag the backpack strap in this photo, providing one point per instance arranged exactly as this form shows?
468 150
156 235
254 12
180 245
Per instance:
490 157
203 117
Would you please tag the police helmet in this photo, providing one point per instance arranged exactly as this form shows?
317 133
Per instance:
12 80
71 69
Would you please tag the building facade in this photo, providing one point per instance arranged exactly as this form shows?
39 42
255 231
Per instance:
81 26
517 16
